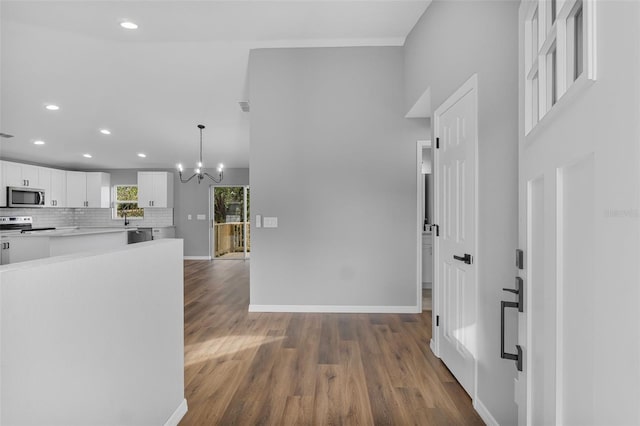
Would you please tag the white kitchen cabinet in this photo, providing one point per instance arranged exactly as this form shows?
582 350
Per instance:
21 249
54 183
88 189
16 174
5 254
427 260
58 188
98 190
76 189
155 189
3 183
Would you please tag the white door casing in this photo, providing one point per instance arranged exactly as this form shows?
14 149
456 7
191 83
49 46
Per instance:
421 145
455 286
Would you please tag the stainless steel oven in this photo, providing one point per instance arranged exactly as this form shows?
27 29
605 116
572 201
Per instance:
24 197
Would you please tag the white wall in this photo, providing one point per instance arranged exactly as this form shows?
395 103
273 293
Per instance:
93 339
452 41
333 158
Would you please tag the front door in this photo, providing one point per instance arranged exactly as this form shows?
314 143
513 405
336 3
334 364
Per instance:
579 219
455 170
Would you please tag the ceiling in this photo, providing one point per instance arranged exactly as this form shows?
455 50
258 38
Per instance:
185 65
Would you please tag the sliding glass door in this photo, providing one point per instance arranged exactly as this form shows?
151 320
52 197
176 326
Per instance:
231 236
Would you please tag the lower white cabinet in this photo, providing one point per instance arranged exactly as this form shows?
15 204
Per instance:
427 259
21 249
88 189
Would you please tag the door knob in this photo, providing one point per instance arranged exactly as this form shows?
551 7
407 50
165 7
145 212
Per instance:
467 258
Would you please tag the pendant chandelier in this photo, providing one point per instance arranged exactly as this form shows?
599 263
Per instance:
199 171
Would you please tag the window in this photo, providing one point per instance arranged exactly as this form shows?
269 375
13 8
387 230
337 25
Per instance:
126 202
559 53
552 76
578 42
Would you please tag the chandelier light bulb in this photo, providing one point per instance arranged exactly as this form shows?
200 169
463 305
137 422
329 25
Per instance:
200 172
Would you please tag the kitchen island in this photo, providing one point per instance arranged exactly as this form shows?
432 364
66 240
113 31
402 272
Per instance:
94 337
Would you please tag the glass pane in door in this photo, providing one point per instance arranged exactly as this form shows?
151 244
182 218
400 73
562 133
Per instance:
247 223
229 232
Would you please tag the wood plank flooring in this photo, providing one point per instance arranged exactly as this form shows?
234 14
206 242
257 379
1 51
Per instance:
246 368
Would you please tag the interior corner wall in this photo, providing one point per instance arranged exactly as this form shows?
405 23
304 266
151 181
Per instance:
335 161
193 199
451 42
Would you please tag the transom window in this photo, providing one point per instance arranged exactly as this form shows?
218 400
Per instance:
126 202
559 53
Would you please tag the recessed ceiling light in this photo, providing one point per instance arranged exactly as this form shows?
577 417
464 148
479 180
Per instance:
105 131
129 25
141 155
38 142
52 107
87 155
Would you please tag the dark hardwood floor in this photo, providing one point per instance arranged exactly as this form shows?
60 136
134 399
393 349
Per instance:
307 369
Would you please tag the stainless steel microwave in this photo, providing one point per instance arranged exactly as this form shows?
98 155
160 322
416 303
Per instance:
24 197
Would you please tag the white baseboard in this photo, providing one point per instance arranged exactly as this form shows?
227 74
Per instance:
432 346
197 257
178 414
336 309
484 413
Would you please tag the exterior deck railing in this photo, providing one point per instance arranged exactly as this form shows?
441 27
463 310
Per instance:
230 238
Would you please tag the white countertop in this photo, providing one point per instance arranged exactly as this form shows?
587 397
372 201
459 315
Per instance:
68 231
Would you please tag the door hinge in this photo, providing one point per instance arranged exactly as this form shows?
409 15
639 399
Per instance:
437 320
437 143
437 228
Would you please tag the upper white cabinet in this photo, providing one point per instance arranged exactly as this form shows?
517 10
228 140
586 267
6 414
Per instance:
98 190
88 189
3 183
16 174
62 188
54 183
76 189
155 189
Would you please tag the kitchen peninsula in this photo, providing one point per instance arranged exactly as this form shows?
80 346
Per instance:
21 242
111 325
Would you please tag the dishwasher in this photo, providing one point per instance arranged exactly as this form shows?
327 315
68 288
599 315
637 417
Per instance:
164 232
139 235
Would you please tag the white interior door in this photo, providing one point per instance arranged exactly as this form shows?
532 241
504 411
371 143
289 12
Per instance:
456 280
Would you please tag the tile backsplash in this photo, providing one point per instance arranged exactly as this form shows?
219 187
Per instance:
45 217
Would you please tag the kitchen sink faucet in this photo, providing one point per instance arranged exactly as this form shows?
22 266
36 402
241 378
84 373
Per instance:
126 222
